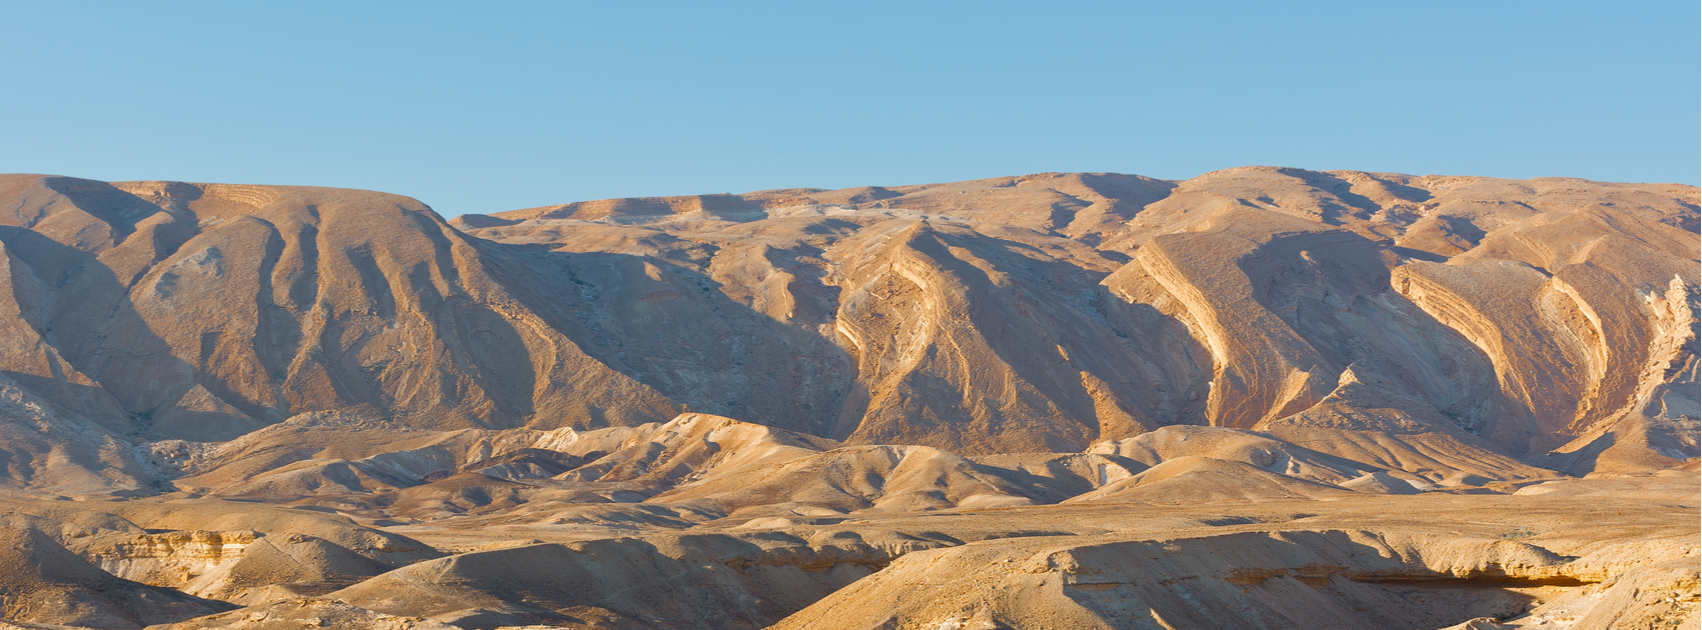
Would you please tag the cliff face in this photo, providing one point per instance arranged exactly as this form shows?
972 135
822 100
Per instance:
1037 313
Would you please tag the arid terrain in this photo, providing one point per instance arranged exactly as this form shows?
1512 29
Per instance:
1259 398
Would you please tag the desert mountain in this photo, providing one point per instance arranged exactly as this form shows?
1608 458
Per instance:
1015 402
1039 313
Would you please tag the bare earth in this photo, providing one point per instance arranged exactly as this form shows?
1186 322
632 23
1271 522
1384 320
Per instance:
1259 398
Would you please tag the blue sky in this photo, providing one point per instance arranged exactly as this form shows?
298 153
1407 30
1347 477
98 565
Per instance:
484 107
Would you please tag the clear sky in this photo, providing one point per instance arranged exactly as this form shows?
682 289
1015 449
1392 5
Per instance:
491 106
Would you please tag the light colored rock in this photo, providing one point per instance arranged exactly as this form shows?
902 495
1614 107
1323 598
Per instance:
1259 397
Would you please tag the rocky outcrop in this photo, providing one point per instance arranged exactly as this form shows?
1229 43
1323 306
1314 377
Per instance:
1314 579
45 583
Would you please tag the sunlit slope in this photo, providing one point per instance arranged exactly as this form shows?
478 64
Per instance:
1042 313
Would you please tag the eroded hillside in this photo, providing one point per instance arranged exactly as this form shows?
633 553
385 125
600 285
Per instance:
1050 311
260 406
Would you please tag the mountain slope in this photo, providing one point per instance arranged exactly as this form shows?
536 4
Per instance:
1041 313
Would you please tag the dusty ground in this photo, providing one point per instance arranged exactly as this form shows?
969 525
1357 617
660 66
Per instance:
1583 553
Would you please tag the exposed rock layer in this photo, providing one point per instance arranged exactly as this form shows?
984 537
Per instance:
1035 313
333 407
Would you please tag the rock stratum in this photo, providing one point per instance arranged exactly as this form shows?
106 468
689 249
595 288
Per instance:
1259 398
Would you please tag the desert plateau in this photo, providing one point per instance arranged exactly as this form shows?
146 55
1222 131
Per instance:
1260 398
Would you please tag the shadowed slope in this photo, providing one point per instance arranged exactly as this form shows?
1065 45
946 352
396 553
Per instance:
267 301
1039 313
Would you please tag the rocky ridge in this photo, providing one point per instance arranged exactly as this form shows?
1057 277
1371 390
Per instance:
334 407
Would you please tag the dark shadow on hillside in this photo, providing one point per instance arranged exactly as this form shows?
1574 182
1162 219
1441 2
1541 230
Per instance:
89 319
685 337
